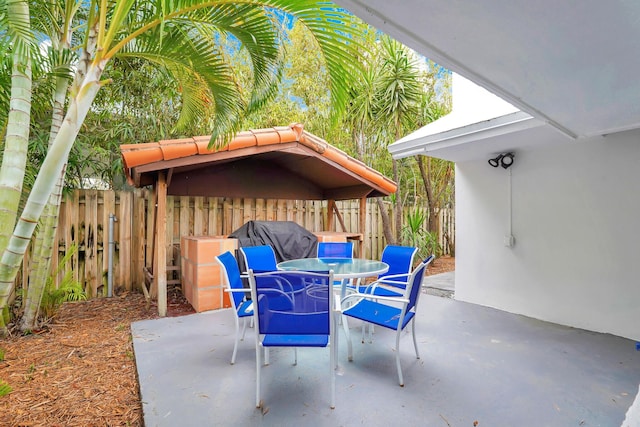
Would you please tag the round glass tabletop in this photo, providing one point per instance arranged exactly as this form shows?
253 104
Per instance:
343 268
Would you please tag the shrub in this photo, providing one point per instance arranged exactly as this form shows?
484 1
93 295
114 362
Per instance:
69 289
414 234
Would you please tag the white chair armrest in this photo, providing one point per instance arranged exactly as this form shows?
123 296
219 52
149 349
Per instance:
393 276
374 297
388 280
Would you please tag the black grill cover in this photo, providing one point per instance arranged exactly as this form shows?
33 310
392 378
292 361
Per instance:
288 239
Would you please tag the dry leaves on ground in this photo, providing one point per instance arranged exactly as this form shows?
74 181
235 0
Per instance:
79 370
443 264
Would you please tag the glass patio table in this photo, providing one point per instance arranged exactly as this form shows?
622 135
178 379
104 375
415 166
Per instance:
344 269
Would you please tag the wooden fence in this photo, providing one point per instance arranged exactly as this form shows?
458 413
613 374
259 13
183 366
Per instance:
84 221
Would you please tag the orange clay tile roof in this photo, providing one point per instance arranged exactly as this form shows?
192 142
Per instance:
141 155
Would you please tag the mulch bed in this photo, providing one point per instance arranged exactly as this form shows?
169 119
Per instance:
444 264
79 370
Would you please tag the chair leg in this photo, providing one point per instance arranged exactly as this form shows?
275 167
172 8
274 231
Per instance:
235 344
415 343
333 365
345 326
244 327
400 379
334 342
258 374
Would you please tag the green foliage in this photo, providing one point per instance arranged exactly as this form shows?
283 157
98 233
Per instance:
5 388
69 289
6 315
1 354
414 234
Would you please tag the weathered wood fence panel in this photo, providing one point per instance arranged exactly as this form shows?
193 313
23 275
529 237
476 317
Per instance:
84 222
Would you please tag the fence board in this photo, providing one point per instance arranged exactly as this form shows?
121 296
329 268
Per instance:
138 240
123 265
198 216
150 214
259 216
185 220
90 247
71 233
271 210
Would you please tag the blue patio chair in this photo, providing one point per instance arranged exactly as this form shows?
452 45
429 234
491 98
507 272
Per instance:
259 258
389 312
285 318
335 249
394 281
242 306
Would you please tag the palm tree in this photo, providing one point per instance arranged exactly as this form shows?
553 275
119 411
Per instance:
400 93
180 36
384 107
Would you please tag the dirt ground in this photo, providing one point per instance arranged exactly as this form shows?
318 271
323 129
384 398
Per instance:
80 370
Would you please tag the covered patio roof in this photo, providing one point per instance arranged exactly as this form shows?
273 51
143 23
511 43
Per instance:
569 64
281 163
275 163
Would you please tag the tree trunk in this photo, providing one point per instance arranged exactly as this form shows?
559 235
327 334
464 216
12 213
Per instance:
14 159
398 205
40 266
43 246
16 144
45 182
428 189
386 223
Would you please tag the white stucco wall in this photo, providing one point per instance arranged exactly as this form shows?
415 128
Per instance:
576 221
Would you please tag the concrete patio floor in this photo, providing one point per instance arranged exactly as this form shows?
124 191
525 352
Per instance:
477 364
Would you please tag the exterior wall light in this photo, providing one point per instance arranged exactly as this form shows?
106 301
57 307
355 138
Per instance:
505 160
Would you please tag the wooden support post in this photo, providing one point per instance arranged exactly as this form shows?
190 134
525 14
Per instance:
362 226
153 284
160 274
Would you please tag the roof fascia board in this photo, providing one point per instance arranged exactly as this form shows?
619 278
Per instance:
502 125
213 157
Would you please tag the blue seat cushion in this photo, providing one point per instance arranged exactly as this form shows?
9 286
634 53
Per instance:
275 340
378 314
245 309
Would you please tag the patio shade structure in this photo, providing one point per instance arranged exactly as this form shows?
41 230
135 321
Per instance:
280 163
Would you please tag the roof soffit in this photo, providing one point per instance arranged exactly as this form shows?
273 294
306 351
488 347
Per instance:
573 67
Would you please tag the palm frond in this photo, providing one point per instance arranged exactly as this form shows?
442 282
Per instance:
15 27
205 77
337 34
